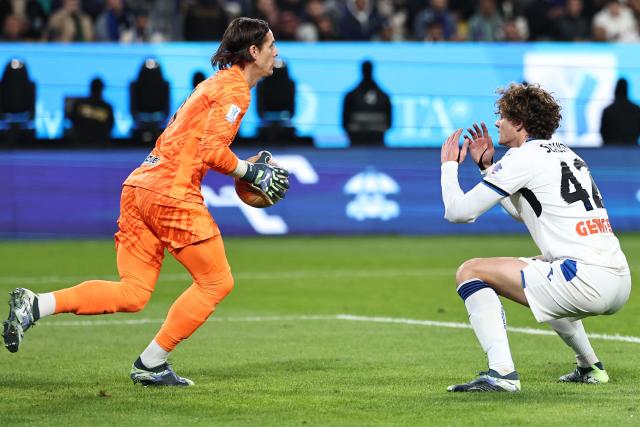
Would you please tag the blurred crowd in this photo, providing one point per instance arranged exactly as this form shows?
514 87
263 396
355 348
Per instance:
322 20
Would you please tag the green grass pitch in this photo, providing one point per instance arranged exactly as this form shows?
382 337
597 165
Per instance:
276 353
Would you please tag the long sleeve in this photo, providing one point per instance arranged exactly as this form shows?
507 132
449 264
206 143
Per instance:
230 103
506 203
461 207
508 206
217 135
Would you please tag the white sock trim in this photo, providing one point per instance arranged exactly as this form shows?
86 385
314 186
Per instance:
46 304
154 355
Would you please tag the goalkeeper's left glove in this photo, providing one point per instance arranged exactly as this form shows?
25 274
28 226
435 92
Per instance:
273 181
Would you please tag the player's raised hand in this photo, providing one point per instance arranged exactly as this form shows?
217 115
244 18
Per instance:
480 145
451 150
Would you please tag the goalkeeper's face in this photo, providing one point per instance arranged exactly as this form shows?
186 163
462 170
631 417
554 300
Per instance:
266 55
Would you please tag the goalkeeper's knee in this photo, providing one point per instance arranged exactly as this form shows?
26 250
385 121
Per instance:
134 299
134 295
216 286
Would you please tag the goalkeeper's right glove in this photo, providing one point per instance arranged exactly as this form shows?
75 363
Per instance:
273 181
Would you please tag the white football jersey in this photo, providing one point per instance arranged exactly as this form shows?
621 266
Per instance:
559 202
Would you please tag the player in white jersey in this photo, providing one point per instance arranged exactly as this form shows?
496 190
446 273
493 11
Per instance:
581 270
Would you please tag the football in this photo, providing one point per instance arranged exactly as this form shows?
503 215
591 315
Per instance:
249 194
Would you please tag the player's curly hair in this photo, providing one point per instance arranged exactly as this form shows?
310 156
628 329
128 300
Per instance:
240 35
531 106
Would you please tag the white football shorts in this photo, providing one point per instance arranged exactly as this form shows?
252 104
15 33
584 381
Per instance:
566 288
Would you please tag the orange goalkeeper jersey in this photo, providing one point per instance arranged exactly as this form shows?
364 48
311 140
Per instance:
197 139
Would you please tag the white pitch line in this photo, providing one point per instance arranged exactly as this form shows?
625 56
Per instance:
528 331
343 317
146 321
243 275
248 275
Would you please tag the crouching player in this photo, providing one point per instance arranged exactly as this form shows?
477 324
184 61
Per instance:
581 270
162 208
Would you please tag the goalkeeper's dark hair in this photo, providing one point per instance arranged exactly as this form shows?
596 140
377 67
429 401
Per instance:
240 35
530 106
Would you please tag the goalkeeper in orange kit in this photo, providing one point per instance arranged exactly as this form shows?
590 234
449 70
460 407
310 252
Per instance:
162 208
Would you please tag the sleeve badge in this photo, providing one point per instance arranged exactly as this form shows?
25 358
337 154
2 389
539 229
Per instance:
232 114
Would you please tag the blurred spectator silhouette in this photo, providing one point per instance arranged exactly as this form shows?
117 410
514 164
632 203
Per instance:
366 113
17 103
91 118
288 27
266 10
435 23
615 23
295 6
114 21
149 102
30 14
143 29
237 8
205 20
486 24
543 16
327 28
434 31
463 9
197 78
69 24
275 101
620 123
309 20
13 29
573 25
511 31
360 20
165 17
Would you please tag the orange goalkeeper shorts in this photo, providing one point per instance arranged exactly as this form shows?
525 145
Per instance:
150 222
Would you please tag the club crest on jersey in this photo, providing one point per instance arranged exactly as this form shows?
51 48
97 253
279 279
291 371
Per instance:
496 168
151 160
232 114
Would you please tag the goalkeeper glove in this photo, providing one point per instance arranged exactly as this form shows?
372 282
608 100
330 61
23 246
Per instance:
273 181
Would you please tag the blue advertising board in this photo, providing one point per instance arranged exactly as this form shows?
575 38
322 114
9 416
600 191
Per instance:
356 191
434 88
